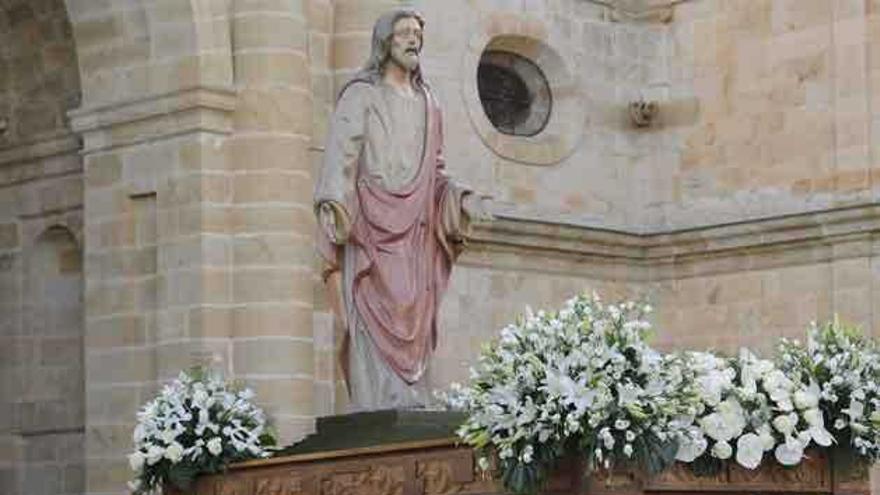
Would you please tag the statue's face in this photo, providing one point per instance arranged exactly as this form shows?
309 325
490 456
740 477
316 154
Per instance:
406 43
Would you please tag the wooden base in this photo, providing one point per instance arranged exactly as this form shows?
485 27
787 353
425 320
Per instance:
435 467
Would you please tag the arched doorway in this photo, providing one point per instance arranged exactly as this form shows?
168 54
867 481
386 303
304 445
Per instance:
41 282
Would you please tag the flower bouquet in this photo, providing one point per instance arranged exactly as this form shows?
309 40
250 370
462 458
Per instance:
580 379
198 424
749 407
842 369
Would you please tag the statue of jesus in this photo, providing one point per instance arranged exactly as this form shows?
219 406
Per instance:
391 221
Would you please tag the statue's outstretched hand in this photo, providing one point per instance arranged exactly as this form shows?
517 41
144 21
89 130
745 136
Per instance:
476 207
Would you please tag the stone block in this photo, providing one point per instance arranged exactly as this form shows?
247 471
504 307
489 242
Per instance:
262 69
274 219
171 12
61 351
274 249
260 31
74 477
107 475
9 236
277 356
276 284
211 322
272 187
283 396
41 479
108 440
116 331
269 151
283 110
350 51
282 319
103 169
120 365
112 405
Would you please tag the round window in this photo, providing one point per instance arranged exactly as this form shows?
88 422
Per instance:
514 92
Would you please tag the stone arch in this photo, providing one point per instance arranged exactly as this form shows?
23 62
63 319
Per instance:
49 410
39 80
141 48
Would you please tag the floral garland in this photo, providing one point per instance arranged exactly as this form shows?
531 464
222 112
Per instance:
583 380
198 424
843 369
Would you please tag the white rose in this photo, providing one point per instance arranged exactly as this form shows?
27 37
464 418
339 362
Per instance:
174 453
777 383
807 398
710 388
215 446
169 436
628 450
749 450
200 396
713 425
814 417
134 485
790 452
856 409
138 434
136 461
154 454
784 404
691 446
821 436
765 433
722 450
785 423
727 423
608 440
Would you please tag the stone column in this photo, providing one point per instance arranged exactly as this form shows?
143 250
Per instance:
353 22
271 213
157 108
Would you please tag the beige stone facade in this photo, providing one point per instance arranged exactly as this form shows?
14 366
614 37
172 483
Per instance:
157 160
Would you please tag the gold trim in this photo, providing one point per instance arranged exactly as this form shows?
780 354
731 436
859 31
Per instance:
355 452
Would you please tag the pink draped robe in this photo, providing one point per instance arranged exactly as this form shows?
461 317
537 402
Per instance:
399 243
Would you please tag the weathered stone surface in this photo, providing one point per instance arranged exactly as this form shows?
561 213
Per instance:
185 188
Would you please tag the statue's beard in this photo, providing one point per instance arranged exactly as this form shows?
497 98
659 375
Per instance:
406 59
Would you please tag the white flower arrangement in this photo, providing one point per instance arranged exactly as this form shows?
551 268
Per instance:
197 424
582 380
749 407
843 370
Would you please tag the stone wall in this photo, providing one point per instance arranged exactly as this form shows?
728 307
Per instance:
42 400
718 287
182 181
769 109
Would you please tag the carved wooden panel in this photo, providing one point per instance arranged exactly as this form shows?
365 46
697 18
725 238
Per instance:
450 470
811 475
680 477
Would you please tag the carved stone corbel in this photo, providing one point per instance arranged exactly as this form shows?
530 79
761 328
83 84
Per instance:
642 113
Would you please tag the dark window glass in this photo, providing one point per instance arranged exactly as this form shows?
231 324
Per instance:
514 92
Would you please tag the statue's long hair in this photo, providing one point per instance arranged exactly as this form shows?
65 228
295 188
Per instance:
381 49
